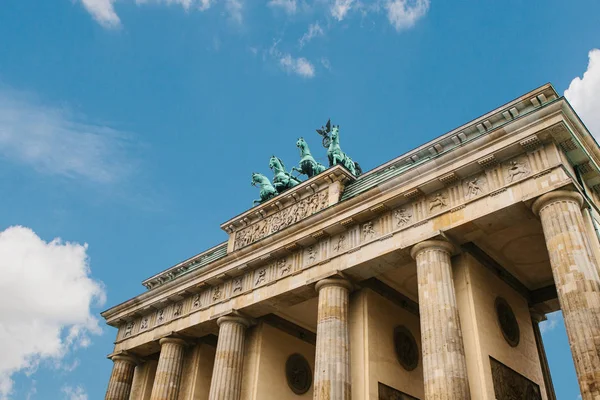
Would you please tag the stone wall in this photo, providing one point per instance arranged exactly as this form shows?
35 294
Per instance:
267 350
476 290
373 319
197 372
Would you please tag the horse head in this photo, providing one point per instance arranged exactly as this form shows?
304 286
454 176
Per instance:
301 143
276 164
335 133
257 178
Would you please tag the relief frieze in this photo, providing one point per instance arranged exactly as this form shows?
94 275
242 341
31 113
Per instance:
311 254
402 217
415 212
144 324
282 219
475 186
282 266
196 302
178 309
237 285
368 231
160 316
438 201
517 169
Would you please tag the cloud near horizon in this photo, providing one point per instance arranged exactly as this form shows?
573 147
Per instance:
46 295
584 94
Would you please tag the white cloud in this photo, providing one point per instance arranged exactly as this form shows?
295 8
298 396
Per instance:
234 9
551 322
300 66
289 6
340 8
584 94
314 30
74 393
103 12
46 292
403 14
53 140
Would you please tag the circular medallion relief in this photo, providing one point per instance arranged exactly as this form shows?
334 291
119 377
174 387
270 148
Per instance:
508 322
407 350
298 373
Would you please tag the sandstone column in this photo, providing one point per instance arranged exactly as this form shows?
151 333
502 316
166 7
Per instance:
577 282
444 364
226 383
332 363
168 371
121 378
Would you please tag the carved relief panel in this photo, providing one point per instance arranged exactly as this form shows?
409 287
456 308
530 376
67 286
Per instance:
438 202
282 219
509 384
402 216
516 169
475 186
389 393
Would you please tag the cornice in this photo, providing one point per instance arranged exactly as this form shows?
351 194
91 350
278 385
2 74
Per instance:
351 209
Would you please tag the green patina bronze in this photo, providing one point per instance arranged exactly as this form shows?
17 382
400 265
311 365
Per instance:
282 180
308 165
267 190
337 156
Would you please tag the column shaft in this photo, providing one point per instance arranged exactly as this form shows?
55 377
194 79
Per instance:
332 364
577 282
226 383
168 371
444 363
121 378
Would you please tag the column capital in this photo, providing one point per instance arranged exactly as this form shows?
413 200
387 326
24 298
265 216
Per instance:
238 319
432 244
537 316
172 339
333 282
125 357
556 195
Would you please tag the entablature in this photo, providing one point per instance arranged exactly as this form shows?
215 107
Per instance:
507 155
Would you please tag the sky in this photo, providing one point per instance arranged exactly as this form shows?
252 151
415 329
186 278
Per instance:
129 130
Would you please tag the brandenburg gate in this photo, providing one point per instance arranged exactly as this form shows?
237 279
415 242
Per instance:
424 278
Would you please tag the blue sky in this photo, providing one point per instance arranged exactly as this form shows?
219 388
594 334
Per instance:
129 129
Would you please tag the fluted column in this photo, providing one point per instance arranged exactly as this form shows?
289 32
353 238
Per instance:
121 378
577 282
332 364
168 371
444 364
226 383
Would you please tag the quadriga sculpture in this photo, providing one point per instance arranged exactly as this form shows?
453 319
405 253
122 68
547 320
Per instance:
282 180
337 156
267 190
308 165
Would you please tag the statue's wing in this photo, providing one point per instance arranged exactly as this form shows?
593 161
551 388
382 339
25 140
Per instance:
328 126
